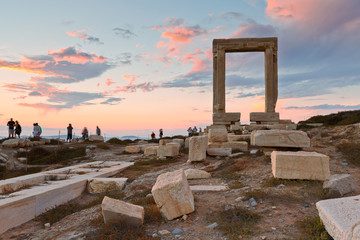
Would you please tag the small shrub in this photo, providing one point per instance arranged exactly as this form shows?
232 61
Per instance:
351 152
235 222
148 164
39 155
102 146
6 174
236 185
313 229
56 142
118 141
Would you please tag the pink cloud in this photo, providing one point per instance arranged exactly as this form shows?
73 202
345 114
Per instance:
132 87
81 35
161 44
76 57
182 35
109 82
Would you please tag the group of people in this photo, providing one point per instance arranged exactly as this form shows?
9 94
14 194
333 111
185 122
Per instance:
14 128
193 131
161 134
84 132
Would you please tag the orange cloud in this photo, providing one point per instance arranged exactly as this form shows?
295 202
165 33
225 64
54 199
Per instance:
109 82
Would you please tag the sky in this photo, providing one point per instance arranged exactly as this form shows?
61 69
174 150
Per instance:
133 67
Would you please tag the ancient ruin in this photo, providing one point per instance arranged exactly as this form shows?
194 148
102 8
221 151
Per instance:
223 46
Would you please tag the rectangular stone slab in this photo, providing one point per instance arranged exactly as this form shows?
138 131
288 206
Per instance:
264 117
341 217
208 188
226 117
280 138
197 148
300 165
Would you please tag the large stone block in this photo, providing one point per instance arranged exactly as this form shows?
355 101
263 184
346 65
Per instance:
164 141
96 138
226 117
117 210
300 165
224 152
133 149
197 148
280 138
150 151
218 134
180 141
236 145
234 127
196 174
102 185
172 194
340 183
341 217
170 150
264 117
233 138
175 144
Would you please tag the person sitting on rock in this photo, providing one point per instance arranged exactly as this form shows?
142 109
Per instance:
85 133
152 135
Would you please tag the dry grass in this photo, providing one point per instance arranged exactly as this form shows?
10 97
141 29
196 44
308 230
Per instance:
312 229
351 152
6 174
103 146
235 222
232 170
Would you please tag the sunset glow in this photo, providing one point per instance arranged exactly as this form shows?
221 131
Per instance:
133 67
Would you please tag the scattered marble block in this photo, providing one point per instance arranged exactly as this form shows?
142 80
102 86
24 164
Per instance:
12 143
224 152
300 165
133 149
102 185
197 148
96 138
236 145
187 143
175 144
341 217
172 194
264 117
280 138
168 150
150 151
117 210
180 141
218 135
144 146
208 188
164 142
340 183
196 174
234 138
234 127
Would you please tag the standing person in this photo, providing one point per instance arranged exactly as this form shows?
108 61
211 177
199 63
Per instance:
190 131
17 129
194 130
161 133
152 135
69 133
40 129
85 133
11 124
98 131
36 130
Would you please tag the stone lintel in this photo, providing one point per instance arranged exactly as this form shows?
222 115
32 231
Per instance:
264 117
244 44
226 117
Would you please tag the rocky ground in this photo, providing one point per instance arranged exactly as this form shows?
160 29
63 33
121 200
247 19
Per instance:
265 208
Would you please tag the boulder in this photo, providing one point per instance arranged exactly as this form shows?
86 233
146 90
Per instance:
151 150
197 148
102 185
117 210
218 134
96 138
133 149
172 194
196 174
300 165
280 138
219 152
341 217
340 183
11 143
171 150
